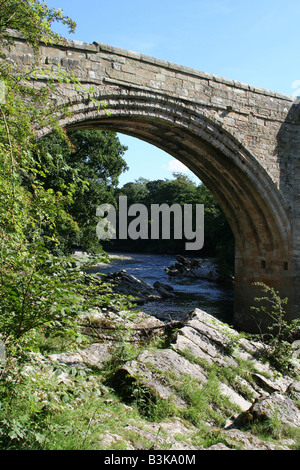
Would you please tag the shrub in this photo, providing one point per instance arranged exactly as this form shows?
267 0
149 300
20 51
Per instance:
280 334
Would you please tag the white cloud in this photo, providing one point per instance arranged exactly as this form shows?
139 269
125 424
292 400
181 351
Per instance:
177 166
296 84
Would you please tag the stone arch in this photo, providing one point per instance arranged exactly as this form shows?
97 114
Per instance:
249 198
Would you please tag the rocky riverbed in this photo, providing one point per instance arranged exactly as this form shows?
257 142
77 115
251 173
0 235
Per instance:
206 373
140 290
143 291
196 268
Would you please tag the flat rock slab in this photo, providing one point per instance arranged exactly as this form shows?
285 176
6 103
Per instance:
246 441
170 361
200 346
146 379
94 355
277 406
234 397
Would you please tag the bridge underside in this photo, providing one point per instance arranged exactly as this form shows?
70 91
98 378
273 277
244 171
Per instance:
245 192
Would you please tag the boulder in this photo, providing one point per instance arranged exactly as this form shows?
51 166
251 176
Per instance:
195 268
165 290
94 355
206 338
170 361
293 390
147 381
142 291
276 406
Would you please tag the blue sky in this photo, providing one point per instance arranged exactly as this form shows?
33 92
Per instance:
255 42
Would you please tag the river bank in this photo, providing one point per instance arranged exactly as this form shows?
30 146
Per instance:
188 384
119 379
196 385
107 258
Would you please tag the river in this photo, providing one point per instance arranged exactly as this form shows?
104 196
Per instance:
212 297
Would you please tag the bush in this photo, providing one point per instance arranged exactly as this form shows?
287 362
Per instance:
280 334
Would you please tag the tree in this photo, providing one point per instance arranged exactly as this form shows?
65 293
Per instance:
34 20
85 175
219 240
40 294
181 190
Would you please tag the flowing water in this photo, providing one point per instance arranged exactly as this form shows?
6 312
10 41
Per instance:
191 293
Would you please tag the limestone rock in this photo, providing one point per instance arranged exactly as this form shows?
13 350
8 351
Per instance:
109 439
128 284
277 406
195 268
94 355
69 359
219 446
162 372
234 397
271 386
293 390
246 441
149 381
170 361
165 290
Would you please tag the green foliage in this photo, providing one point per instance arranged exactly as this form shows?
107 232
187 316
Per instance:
39 189
96 293
205 403
47 191
83 173
34 286
272 428
42 295
37 291
33 19
36 398
280 333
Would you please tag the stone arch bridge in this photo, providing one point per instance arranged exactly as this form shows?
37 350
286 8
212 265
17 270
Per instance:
242 142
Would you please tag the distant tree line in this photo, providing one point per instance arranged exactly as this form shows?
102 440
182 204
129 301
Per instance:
218 237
